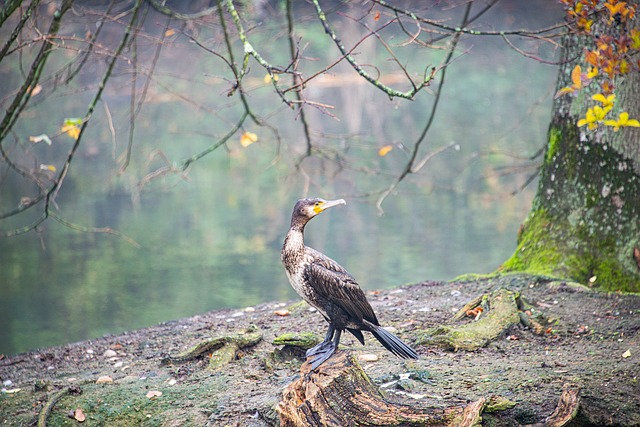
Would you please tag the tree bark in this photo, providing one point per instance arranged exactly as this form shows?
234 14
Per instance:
585 220
340 394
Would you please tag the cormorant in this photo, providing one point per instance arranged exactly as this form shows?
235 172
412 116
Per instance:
328 287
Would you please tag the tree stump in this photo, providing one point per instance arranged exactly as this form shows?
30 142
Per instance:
339 393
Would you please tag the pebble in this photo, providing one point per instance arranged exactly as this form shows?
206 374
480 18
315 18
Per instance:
153 394
104 380
368 358
7 383
282 312
118 364
109 353
249 309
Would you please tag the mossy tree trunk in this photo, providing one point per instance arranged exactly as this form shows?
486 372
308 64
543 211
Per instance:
585 221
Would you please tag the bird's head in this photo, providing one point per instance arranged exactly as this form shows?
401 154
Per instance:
305 209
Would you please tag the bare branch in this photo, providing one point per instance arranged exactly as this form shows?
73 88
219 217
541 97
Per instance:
386 89
409 168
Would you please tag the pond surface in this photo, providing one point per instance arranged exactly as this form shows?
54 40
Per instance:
213 240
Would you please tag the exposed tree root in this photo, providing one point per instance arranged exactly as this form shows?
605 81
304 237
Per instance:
501 313
567 408
339 393
48 407
220 350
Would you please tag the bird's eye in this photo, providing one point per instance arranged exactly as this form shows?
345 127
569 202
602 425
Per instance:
317 204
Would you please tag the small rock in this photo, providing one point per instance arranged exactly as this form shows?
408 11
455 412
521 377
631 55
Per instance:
153 394
89 351
109 353
237 314
282 312
368 358
626 354
172 381
7 383
105 379
249 309
79 415
118 364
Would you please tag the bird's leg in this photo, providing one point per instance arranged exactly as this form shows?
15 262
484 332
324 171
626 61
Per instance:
323 354
327 340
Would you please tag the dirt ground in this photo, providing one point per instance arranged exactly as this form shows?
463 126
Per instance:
592 342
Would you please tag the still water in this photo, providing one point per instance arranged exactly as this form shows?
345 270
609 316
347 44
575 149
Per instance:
213 240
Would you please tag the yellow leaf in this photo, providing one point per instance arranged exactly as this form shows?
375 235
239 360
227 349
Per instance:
267 78
385 150
576 77
36 90
72 130
593 72
48 168
169 32
248 138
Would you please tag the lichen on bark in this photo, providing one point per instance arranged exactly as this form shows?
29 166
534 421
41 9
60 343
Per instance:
585 221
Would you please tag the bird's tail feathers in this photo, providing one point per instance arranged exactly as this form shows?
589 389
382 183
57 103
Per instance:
393 343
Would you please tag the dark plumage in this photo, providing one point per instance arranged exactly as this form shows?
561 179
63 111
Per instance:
328 287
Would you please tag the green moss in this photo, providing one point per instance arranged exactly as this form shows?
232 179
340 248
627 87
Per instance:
554 142
554 247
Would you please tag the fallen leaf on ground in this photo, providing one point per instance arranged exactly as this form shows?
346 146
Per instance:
79 415
282 312
104 380
153 394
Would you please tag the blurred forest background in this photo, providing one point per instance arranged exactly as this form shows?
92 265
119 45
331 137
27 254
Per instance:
212 238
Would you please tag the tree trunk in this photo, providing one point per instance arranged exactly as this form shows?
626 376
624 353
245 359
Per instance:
585 220
340 394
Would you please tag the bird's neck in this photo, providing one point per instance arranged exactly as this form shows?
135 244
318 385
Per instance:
293 247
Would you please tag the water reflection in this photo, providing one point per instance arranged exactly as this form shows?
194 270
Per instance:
214 241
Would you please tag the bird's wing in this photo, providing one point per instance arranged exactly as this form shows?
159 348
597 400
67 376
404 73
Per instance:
332 282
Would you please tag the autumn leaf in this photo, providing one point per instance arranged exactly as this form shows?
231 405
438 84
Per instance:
48 168
71 126
635 39
576 80
36 90
593 117
72 130
385 150
607 102
269 77
169 32
623 120
248 138
40 138
376 15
